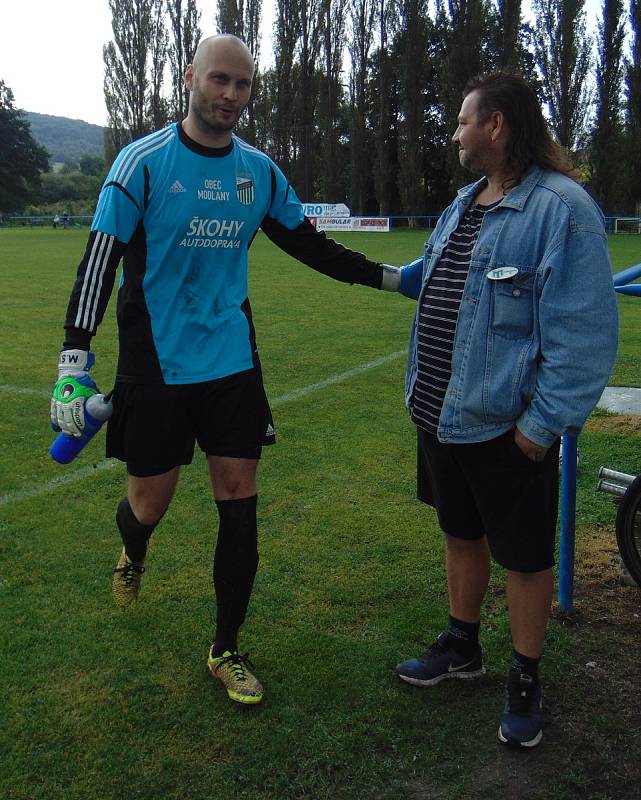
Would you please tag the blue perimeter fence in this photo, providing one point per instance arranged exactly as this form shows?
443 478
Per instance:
397 222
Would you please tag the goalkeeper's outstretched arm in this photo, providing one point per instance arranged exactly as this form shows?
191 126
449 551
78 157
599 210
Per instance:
315 249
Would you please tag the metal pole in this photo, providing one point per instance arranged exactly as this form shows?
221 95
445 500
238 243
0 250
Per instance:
568 513
611 488
614 475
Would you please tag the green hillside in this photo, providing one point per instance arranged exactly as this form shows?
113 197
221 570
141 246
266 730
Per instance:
66 139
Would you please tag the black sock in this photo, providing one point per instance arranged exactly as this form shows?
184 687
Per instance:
462 636
523 665
235 565
134 534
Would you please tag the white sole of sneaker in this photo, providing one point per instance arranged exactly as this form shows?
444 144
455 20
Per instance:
465 676
531 743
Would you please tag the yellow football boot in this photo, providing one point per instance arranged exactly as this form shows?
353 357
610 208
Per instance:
232 670
125 584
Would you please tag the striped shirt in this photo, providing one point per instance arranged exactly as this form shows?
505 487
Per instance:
437 317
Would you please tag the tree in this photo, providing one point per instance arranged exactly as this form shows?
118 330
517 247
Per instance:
509 29
332 170
22 159
91 165
562 51
633 109
308 52
230 17
157 107
606 150
286 28
242 18
511 41
133 69
361 17
185 33
411 46
63 188
463 33
386 107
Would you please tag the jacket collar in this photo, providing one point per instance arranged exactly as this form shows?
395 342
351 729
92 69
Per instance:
515 199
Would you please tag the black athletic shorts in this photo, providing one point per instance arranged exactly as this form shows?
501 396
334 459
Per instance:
493 489
154 427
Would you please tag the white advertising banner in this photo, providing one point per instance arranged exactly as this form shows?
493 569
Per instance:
326 210
369 224
333 223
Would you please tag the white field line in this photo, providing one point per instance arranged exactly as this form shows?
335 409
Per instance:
5 387
83 472
341 376
61 480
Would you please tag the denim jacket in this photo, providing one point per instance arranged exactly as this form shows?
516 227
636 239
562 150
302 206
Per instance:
535 349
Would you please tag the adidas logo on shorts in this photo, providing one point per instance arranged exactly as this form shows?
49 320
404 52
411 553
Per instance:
270 430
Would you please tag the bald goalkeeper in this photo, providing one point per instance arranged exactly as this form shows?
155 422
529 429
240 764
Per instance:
181 207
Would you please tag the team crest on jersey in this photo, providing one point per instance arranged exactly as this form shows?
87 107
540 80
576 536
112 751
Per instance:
245 189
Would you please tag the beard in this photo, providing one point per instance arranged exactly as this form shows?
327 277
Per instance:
468 162
204 114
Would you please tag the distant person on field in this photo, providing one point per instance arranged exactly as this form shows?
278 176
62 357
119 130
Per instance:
181 208
65 221
513 341
56 221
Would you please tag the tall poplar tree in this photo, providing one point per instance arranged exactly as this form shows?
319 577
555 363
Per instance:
386 112
130 70
464 27
562 50
286 32
251 36
184 19
606 151
157 107
411 49
512 39
361 21
633 110
242 18
308 49
332 170
231 17
509 28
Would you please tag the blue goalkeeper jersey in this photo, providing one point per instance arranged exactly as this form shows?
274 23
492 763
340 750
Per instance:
182 217
186 215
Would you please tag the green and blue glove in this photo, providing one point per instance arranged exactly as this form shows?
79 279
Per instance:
71 391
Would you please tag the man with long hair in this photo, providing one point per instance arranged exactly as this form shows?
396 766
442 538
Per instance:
512 344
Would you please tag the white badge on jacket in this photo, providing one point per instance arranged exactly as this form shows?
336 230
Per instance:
502 273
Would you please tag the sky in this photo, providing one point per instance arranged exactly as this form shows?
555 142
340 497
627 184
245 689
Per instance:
51 52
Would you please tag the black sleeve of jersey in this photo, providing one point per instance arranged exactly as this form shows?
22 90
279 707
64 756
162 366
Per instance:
92 289
313 248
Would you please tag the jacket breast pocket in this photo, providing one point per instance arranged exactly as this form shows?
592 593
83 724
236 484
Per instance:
512 306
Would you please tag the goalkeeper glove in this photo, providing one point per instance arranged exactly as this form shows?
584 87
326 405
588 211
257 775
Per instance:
71 390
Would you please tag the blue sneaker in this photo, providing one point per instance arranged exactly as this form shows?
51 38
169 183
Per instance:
522 722
440 661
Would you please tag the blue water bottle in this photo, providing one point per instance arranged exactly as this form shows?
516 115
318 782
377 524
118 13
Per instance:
66 447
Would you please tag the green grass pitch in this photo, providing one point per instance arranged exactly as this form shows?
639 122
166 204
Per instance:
96 704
